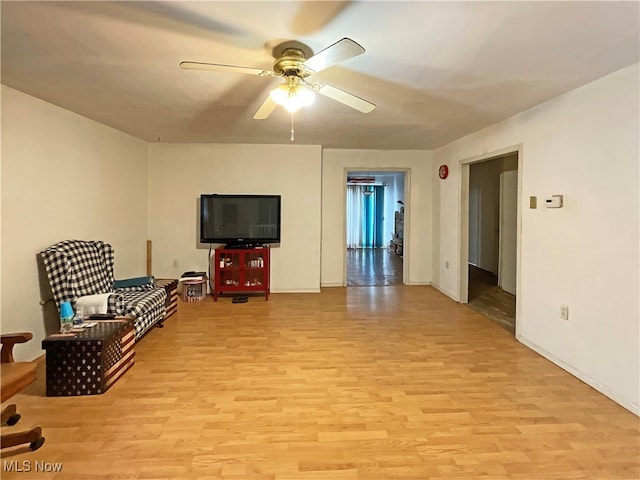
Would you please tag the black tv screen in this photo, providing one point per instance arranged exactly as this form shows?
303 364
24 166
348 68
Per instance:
239 219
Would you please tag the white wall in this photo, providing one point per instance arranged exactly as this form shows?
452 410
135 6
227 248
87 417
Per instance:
583 145
417 200
180 173
63 176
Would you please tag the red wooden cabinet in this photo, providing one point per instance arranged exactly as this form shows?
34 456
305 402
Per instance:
240 270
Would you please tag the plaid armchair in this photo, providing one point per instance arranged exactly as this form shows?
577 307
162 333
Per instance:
76 268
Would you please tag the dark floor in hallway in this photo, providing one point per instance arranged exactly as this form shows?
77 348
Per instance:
488 299
373 266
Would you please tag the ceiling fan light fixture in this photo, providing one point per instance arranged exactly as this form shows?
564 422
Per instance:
293 66
305 95
280 94
292 96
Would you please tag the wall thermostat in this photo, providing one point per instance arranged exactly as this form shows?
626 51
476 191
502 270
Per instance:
554 201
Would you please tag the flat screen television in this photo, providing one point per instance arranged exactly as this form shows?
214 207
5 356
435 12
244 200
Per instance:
240 220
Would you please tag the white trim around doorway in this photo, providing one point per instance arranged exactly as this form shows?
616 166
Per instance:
463 247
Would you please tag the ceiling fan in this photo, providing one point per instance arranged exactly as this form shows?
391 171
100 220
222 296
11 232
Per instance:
292 65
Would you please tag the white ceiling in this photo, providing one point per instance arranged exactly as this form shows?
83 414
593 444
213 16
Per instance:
436 70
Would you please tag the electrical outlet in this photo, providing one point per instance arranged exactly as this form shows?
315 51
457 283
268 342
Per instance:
175 264
564 312
446 265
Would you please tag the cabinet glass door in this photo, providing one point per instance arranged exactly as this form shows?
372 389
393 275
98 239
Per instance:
254 269
229 265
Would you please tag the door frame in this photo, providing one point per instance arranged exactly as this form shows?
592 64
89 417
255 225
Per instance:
479 226
501 234
406 244
463 247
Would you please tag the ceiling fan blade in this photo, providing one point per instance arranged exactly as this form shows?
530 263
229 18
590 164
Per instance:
338 52
265 109
219 67
341 96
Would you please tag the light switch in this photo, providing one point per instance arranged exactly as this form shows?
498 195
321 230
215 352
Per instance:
533 202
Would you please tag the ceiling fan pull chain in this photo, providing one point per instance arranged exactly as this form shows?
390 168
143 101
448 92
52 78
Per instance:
292 132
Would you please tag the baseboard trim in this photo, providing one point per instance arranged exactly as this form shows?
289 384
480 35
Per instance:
296 290
427 284
331 285
620 400
446 292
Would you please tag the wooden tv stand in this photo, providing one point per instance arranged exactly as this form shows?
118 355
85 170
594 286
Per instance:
241 270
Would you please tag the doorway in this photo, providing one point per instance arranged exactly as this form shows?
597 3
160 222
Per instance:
374 228
492 239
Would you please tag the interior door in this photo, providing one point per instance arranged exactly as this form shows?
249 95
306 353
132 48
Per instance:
508 231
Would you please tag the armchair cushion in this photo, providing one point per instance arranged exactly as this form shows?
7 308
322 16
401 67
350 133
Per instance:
147 307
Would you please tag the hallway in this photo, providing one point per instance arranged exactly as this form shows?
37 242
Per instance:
488 299
373 267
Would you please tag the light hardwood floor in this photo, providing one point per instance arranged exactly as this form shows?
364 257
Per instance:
373 267
359 383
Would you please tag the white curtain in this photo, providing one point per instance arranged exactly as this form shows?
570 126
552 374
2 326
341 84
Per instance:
355 231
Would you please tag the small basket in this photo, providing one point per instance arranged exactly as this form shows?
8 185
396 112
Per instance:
194 290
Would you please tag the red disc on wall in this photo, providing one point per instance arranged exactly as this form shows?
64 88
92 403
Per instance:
443 171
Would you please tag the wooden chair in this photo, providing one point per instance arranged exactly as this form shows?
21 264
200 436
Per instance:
15 377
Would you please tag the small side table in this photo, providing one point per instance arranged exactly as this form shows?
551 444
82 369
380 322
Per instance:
194 290
90 361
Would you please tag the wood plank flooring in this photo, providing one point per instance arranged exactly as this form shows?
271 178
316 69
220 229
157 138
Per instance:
349 384
487 298
373 267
